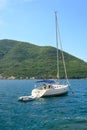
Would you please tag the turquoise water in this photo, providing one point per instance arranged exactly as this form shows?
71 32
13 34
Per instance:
67 112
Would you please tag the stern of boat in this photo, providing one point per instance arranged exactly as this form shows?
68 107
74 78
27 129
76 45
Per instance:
38 93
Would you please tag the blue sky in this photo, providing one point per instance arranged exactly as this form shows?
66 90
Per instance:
34 21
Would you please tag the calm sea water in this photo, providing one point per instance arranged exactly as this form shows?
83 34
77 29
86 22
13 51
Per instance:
67 112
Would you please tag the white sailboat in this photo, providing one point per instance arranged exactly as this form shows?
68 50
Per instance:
51 88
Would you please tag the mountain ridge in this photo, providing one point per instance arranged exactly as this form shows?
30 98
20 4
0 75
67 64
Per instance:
23 59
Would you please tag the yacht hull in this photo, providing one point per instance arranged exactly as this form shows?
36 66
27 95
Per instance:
54 90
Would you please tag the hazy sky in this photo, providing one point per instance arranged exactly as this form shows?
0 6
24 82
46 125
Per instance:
34 21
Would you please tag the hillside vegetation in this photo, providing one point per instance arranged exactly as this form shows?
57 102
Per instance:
22 59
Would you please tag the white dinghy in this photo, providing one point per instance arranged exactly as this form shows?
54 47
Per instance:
26 98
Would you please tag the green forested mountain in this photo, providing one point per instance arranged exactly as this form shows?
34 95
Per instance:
22 59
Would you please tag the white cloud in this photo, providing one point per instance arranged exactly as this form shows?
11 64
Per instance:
3 4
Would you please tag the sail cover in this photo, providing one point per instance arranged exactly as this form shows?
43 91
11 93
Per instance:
46 81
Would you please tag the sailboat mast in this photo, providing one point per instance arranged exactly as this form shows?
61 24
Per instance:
58 34
57 45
